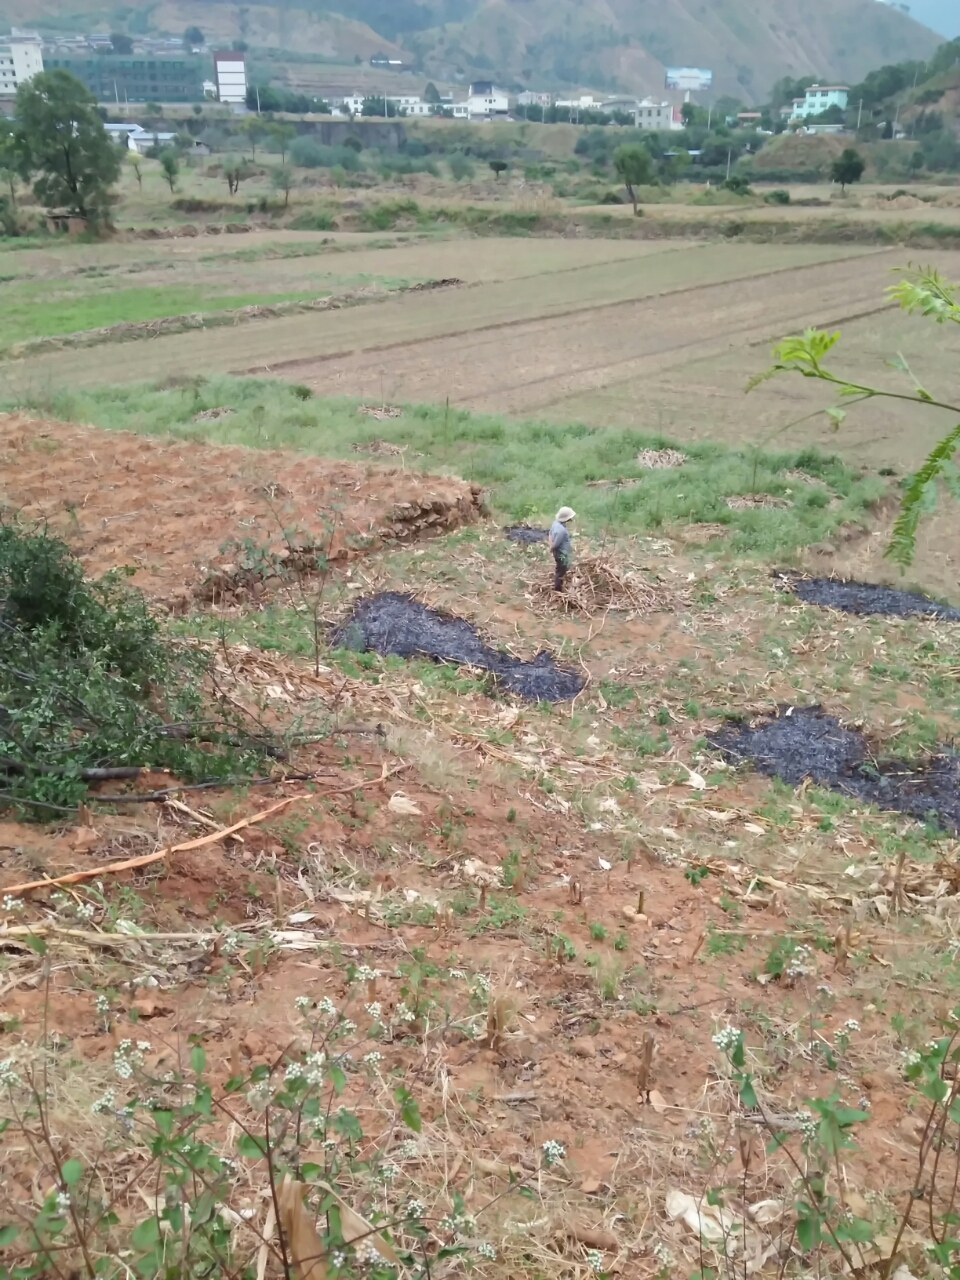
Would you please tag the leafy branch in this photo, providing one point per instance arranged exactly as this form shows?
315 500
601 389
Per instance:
922 292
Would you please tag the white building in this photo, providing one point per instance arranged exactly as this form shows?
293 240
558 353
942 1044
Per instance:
586 102
21 58
230 70
486 101
657 115
124 134
530 99
819 98
420 108
146 140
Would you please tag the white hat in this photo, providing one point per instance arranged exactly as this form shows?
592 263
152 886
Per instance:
566 514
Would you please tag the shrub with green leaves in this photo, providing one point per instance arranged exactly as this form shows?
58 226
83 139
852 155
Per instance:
89 683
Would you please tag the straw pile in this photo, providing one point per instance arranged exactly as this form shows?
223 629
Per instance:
595 585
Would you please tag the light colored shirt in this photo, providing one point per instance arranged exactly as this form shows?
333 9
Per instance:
560 540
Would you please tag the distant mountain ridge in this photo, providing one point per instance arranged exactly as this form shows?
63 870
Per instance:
613 45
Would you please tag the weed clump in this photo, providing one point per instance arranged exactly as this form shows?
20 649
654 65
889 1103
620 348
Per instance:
90 688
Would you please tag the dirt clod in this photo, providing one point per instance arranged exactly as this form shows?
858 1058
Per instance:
392 622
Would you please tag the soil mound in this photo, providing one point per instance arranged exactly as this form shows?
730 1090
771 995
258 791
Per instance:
807 742
395 623
202 521
868 597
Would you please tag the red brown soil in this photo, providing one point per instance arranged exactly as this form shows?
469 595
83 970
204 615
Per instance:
167 508
572 1056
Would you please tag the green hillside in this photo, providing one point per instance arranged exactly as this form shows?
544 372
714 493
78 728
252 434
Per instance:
600 44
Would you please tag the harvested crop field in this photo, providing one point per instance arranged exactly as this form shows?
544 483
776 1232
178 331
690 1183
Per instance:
599 332
548 986
193 519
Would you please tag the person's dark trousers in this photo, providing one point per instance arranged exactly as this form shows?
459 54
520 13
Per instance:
561 571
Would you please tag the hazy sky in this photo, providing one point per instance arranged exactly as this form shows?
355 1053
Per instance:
942 15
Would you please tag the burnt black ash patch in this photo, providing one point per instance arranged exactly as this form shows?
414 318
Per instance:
392 622
525 534
866 598
807 742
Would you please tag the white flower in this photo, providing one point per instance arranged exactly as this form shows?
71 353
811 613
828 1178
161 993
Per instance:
302 1003
230 943
345 1027
408 1150
105 1103
126 1058
911 1058
368 1253
486 1250
8 1076
373 1059
801 962
327 1007
63 1202
404 1013
481 985
102 1005
389 1171
293 1072
366 974
662 1253
415 1209
86 910
259 1095
313 1068
457 973
553 1152
726 1039
594 1259
809 1126
11 904
374 1010
851 1024
338 1258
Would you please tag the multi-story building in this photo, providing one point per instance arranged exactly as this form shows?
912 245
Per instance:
657 115
530 99
137 78
819 98
21 58
230 73
486 101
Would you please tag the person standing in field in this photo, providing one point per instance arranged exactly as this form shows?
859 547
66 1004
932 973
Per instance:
561 545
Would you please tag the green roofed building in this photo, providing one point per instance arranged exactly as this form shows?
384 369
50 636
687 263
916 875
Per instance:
137 77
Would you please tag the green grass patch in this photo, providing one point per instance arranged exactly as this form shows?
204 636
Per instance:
29 312
529 467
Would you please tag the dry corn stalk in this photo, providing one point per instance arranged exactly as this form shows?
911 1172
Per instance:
594 585
645 1071
300 1234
